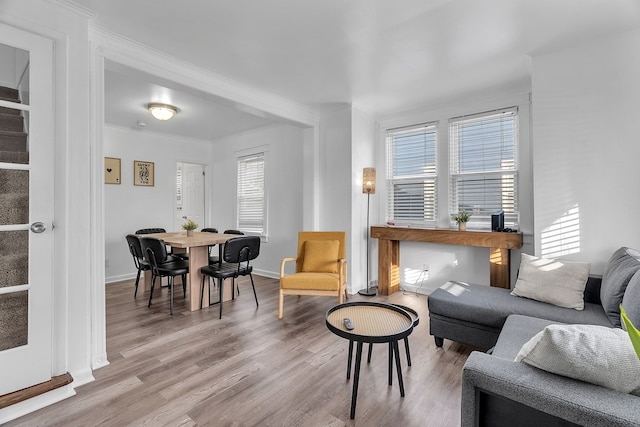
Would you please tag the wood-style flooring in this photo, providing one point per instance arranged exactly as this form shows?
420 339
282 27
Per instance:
251 369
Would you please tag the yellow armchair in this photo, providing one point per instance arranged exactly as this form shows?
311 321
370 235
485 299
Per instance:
321 267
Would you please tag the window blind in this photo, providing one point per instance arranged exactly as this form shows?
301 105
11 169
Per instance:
412 175
251 196
483 166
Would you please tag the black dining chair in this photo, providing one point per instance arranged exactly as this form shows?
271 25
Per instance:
237 256
156 255
212 258
238 232
139 260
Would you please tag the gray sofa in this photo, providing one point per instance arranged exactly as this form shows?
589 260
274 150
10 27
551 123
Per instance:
496 390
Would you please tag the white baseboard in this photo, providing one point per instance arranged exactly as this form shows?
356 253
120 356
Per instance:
31 405
120 278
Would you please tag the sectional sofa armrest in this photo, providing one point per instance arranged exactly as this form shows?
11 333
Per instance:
498 392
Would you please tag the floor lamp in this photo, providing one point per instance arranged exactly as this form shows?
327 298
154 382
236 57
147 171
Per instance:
369 188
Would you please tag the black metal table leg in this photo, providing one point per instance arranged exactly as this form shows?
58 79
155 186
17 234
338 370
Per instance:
356 379
406 347
399 368
349 359
390 364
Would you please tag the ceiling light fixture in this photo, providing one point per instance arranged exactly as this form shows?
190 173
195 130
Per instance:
162 111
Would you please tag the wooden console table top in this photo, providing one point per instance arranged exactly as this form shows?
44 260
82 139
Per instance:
499 244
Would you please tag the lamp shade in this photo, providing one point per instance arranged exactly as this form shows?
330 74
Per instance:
162 111
369 180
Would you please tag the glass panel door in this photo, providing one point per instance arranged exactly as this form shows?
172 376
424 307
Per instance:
26 209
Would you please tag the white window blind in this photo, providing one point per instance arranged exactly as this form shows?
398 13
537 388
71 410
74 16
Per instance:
412 175
484 167
251 195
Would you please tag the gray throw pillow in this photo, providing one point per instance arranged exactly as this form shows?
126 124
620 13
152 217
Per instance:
552 281
590 353
631 300
622 265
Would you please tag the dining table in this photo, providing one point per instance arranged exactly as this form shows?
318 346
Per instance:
198 247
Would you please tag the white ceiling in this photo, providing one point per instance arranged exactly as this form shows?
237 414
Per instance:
384 56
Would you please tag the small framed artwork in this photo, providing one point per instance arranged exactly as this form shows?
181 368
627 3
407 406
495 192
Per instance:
111 170
143 173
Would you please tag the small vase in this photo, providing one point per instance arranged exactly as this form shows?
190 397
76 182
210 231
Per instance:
462 226
189 233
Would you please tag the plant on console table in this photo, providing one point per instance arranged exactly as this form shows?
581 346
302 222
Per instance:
461 219
190 226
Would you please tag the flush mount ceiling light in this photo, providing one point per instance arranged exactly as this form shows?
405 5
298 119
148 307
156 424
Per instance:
162 111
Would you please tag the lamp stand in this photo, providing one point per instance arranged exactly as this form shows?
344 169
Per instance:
367 292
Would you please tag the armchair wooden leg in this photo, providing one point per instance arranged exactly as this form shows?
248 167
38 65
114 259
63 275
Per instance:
281 305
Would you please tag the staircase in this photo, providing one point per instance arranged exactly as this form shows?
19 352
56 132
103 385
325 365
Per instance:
14 209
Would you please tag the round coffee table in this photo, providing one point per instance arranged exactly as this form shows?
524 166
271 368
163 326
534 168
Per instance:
372 322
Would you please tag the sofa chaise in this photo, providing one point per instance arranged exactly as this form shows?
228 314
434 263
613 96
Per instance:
497 390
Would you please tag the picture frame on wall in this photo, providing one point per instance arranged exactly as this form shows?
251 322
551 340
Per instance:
112 170
143 173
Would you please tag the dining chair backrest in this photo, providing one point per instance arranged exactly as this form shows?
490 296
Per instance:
209 230
238 232
151 230
155 251
241 249
135 247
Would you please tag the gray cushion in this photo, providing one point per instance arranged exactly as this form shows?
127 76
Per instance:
516 332
631 300
490 306
622 265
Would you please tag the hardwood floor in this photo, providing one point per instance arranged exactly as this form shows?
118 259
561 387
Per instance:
249 368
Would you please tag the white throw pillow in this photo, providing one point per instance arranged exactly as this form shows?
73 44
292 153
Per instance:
590 353
552 281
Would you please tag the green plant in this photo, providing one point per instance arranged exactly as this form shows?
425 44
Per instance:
461 217
633 332
190 225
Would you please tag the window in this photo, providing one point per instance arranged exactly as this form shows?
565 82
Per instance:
484 167
412 175
251 194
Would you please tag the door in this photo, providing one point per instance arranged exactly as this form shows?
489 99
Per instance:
26 209
189 194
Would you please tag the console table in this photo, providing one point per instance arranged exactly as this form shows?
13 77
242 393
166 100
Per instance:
389 239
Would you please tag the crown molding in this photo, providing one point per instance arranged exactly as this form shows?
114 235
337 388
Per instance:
75 7
131 53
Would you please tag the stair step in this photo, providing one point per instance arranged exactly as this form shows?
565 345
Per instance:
11 122
14 209
11 111
9 94
18 157
13 141
14 182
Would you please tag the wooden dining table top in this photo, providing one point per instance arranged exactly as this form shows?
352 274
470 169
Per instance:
179 239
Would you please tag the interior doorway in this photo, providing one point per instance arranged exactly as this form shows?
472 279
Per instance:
190 195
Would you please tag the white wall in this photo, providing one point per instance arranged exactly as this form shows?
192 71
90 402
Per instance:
586 151
284 145
128 208
452 262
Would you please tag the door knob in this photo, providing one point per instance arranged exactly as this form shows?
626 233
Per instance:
38 227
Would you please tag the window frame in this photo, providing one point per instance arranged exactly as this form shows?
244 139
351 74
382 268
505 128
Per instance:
396 213
242 158
486 176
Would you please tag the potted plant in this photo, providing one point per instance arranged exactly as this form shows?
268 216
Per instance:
190 226
461 219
